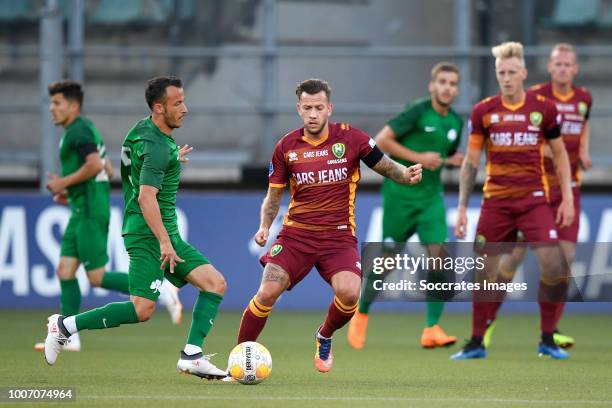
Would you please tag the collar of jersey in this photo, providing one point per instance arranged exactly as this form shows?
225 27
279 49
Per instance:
516 105
314 142
563 98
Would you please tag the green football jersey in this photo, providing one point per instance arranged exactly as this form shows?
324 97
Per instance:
421 129
149 157
91 197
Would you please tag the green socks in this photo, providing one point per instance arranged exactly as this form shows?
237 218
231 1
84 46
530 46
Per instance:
434 311
116 281
70 297
204 313
105 317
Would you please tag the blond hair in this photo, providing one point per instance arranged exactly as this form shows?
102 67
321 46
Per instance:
509 49
562 47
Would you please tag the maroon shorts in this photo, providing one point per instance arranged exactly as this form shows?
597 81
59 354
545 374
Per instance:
297 250
569 233
501 219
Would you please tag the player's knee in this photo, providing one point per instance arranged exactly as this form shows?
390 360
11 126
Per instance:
349 296
218 285
95 279
267 296
144 311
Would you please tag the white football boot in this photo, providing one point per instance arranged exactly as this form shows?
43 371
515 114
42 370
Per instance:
168 296
73 344
55 340
199 365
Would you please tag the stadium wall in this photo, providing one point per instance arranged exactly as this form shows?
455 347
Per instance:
221 225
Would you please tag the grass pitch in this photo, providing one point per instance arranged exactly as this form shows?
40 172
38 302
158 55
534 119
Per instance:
134 366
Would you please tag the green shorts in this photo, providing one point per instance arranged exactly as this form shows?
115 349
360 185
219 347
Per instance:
144 272
86 239
403 217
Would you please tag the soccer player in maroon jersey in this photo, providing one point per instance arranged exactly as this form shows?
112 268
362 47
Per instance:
515 126
574 105
320 163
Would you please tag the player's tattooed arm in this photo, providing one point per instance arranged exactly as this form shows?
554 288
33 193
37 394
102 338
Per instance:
397 172
269 210
467 180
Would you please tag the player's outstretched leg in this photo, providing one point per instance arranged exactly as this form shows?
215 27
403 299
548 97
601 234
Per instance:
346 287
274 281
212 287
60 328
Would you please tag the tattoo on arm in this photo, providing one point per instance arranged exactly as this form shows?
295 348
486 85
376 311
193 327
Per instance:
391 169
467 181
270 206
274 273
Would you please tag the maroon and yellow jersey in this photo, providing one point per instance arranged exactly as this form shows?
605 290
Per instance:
322 175
514 139
574 109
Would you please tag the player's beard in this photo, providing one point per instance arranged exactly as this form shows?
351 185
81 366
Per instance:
440 102
170 122
319 130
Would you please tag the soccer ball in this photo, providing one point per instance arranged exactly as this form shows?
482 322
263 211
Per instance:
250 363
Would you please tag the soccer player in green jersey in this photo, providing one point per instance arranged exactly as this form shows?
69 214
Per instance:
428 132
150 173
84 185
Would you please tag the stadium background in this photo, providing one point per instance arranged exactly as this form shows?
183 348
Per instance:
240 60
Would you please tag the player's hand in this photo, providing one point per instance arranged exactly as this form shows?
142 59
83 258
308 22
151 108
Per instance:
461 224
261 236
413 174
585 161
430 160
183 152
168 256
455 160
55 184
61 198
565 214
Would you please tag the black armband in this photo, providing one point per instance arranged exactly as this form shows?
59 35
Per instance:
552 133
373 157
86 149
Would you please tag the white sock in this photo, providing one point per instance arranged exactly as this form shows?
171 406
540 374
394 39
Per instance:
321 337
190 349
70 324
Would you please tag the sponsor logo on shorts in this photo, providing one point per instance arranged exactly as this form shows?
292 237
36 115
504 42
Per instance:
535 118
155 285
338 149
358 265
552 234
276 249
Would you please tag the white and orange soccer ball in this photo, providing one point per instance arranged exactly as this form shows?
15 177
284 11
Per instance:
250 363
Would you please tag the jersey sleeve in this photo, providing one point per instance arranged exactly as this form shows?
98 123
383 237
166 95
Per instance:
278 172
455 145
155 158
589 102
552 121
476 128
405 122
82 139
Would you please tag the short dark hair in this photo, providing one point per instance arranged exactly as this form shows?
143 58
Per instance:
156 88
443 67
72 91
312 87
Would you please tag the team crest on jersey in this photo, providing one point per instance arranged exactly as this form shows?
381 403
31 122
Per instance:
451 135
276 249
582 108
338 150
535 118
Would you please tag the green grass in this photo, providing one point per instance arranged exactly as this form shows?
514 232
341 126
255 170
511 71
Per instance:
135 365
